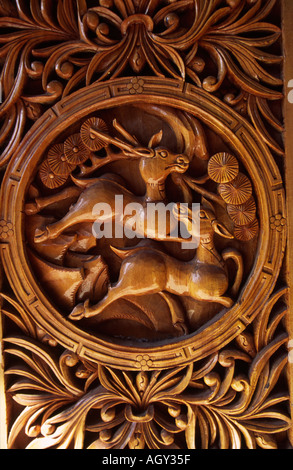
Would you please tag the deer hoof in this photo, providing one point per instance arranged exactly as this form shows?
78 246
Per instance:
41 235
80 311
31 208
181 327
77 313
227 302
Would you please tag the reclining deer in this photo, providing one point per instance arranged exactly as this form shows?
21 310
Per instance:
146 270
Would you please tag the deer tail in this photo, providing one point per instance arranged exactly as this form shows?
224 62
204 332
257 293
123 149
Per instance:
84 183
237 258
123 253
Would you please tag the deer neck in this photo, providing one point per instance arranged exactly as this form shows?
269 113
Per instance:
207 253
155 191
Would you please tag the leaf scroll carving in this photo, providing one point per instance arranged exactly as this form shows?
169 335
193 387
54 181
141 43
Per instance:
187 40
204 405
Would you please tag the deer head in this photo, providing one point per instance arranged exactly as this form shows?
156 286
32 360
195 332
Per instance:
210 224
188 219
156 162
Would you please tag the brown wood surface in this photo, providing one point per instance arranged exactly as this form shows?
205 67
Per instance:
160 338
288 119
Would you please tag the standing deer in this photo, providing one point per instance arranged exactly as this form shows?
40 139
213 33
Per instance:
155 164
146 270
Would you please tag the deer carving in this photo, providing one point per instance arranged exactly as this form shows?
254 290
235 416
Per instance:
155 164
146 270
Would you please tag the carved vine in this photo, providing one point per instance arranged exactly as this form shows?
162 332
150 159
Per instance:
219 46
210 44
69 402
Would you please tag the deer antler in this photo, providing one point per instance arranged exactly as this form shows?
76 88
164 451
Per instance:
131 150
112 140
187 129
131 138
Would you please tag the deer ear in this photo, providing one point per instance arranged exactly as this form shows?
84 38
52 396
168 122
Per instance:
181 210
155 139
221 230
207 204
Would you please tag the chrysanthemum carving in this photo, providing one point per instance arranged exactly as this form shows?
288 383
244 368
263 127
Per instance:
75 150
237 191
242 214
49 178
223 167
58 161
91 140
247 232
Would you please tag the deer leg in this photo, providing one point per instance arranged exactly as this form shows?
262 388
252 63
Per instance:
177 315
115 292
225 301
40 203
52 231
218 299
127 285
85 310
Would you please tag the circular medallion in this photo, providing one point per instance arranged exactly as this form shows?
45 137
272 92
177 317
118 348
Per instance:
143 299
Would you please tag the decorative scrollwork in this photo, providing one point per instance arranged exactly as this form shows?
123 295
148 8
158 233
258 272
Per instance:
159 101
97 43
205 405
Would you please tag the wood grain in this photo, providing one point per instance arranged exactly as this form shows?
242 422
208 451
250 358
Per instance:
288 72
146 341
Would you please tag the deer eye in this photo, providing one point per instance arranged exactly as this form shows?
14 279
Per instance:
163 153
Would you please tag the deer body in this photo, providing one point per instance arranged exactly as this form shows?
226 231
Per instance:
85 211
148 271
155 166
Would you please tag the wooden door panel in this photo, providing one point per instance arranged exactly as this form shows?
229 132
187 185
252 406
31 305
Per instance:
144 224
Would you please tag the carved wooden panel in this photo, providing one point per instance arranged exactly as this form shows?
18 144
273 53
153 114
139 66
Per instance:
143 225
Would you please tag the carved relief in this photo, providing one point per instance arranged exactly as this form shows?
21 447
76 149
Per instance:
170 327
74 249
204 405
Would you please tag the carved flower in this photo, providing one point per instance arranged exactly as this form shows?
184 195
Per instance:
238 191
144 362
58 162
242 214
75 151
135 86
223 167
247 232
90 140
277 222
6 229
49 178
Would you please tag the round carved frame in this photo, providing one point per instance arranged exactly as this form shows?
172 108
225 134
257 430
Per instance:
248 148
